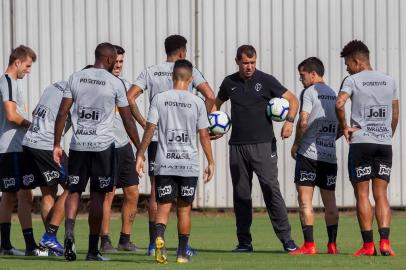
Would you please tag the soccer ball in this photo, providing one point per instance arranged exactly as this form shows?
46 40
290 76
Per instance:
277 109
220 122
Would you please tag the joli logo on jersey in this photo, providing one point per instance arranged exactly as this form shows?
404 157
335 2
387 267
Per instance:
330 128
93 115
377 112
179 137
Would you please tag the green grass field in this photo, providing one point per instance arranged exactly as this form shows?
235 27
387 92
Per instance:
214 236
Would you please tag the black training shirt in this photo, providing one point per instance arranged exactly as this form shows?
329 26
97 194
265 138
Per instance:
249 99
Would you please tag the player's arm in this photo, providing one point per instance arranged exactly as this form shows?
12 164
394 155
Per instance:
146 140
60 121
395 115
130 125
132 94
13 116
208 93
206 145
340 112
301 127
287 128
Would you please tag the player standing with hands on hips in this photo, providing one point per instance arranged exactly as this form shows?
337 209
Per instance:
253 145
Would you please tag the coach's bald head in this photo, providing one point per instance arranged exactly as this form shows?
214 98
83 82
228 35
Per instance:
105 56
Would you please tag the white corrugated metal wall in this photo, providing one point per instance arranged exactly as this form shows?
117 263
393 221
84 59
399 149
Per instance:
65 33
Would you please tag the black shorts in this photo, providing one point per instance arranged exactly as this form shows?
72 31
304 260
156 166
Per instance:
125 174
16 172
310 172
98 166
170 187
368 161
42 163
152 148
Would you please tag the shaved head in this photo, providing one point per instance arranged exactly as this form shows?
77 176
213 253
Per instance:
182 70
105 50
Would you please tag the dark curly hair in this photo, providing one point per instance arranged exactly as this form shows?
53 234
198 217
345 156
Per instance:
355 47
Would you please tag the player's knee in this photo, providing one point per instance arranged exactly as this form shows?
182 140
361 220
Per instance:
131 194
8 199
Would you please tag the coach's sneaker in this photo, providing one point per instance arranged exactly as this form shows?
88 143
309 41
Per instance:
129 246
308 248
12 252
332 248
242 247
39 252
69 249
385 248
107 247
160 251
52 243
290 246
368 249
96 257
151 250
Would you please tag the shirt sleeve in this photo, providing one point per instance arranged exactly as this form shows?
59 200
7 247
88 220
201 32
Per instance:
198 78
7 91
223 92
202 119
141 80
67 93
276 89
306 101
153 114
347 85
121 96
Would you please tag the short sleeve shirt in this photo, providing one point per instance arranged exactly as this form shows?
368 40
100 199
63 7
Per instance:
180 114
319 140
119 131
371 94
40 135
249 99
95 93
11 135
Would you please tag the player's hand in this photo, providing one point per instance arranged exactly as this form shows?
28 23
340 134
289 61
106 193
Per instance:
215 136
208 173
57 155
287 130
139 166
293 151
348 131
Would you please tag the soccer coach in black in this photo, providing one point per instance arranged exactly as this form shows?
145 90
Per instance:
253 145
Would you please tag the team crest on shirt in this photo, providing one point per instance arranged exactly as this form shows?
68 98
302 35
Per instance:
104 181
50 175
331 180
384 170
187 191
258 87
307 176
9 182
73 179
162 191
28 179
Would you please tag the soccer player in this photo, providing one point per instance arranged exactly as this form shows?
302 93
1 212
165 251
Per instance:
126 178
253 145
374 118
314 150
37 147
156 79
16 177
182 115
94 92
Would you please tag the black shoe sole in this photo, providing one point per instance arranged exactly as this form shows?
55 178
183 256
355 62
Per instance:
69 254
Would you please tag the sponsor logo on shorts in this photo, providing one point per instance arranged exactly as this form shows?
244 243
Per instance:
258 87
50 175
9 182
187 191
362 171
28 179
331 180
151 166
177 137
376 112
104 181
73 179
162 191
384 170
307 176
